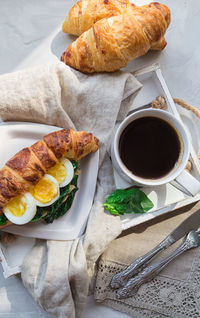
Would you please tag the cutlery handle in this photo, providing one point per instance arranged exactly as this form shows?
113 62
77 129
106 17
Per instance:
151 271
120 279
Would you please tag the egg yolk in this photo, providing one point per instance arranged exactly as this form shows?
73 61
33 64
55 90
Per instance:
17 206
44 191
58 172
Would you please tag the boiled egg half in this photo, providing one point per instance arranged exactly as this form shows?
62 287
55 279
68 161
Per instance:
21 209
46 191
63 172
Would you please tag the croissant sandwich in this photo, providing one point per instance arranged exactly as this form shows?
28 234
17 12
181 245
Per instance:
111 43
40 181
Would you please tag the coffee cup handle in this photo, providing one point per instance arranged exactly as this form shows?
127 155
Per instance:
188 182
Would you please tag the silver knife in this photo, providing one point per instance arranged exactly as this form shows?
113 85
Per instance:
192 240
189 224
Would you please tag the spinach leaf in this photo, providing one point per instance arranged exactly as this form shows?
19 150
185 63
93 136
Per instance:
64 202
75 164
59 207
66 205
3 219
39 214
123 201
50 210
74 180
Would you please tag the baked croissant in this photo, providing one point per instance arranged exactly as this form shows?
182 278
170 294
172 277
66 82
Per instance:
111 43
30 164
86 12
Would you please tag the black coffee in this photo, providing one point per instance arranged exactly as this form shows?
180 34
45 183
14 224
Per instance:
149 147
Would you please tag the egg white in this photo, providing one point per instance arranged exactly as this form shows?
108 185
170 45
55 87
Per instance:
32 202
69 172
55 182
28 214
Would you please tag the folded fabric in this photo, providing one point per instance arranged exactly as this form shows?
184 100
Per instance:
56 273
175 291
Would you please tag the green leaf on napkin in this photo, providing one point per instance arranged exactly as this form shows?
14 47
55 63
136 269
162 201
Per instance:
123 201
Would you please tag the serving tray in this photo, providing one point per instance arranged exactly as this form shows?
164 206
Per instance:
166 197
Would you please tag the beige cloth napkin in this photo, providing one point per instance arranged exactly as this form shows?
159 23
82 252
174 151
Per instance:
174 292
56 273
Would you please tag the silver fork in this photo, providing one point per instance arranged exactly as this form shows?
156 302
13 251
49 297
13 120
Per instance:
191 240
120 279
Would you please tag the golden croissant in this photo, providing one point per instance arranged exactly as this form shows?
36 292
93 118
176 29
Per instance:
111 43
26 168
86 12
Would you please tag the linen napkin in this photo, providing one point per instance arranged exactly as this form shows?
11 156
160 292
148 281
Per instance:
57 273
175 291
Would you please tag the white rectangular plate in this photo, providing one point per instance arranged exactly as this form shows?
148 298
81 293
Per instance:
14 137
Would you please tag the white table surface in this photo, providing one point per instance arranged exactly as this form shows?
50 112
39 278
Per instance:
30 34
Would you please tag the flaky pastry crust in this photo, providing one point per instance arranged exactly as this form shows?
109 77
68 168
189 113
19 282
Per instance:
30 164
111 43
86 12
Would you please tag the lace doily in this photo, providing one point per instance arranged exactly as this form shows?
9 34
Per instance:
162 297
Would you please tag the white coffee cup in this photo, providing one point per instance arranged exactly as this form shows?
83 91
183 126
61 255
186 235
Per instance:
178 173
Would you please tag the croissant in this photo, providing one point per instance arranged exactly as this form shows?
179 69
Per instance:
30 164
86 12
111 43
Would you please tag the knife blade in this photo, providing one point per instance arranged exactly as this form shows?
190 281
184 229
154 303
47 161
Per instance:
189 224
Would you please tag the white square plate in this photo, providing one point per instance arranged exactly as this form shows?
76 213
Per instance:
13 137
